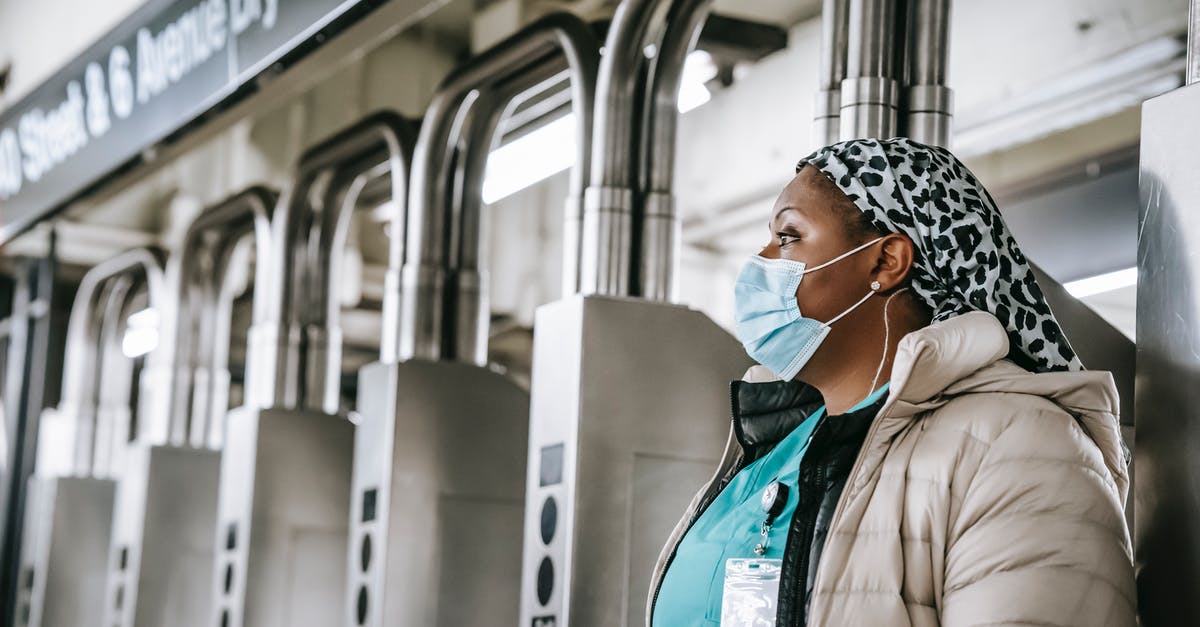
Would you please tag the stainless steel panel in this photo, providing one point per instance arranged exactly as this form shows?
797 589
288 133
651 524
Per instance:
64 561
629 414
1167 507
439 484
281 523
165 521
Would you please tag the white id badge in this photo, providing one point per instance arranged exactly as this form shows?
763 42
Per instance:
751 592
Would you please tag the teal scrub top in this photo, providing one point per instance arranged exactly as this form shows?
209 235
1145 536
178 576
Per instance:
693 585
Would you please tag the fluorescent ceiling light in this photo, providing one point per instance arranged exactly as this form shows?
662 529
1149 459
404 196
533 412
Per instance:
542 153
141 333
1102 283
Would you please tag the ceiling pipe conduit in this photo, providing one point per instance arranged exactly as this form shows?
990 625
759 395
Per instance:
84 352
928 103
835 24
444 306
294 349
870 91
200 335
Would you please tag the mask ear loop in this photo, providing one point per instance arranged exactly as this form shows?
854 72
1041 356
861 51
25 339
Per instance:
887 335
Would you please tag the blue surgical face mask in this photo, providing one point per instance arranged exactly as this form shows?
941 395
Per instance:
768 319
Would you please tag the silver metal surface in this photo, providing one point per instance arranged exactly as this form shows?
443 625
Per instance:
1193 45
835 24
296 344
166 501
928 102
465 95
629 415
439 482
81 449
607 258
659 242
869 108
199 330
870 95
1167 504
83 359
281 524
65 557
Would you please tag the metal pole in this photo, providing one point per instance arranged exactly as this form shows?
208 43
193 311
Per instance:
1193 45
835 24
431 198
609 202
870 94
928 102
199 333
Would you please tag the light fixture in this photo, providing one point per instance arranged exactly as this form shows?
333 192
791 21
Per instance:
141 333
1102 283
542 153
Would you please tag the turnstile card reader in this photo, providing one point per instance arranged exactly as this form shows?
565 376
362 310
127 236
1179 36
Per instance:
281 523
628 419
65 555
439 482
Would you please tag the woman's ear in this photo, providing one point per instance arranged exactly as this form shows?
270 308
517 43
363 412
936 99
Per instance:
895 260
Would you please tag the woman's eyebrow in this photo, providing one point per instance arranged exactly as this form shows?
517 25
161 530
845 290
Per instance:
784 209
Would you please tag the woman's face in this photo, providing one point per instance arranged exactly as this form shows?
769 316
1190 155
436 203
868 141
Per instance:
809 225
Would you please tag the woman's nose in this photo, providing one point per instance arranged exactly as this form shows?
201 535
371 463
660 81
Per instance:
770 251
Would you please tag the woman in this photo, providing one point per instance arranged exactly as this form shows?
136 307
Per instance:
930 451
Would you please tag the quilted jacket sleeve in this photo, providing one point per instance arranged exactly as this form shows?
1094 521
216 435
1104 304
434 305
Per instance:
1039 537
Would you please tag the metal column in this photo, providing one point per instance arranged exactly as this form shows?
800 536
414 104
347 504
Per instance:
629 407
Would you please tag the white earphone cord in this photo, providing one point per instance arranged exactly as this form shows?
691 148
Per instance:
887 336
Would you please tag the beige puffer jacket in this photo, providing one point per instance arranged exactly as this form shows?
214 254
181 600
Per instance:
983 495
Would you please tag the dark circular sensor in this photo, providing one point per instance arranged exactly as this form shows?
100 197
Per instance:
549 519
545 581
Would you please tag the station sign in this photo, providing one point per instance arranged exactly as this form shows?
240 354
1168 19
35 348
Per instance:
160 69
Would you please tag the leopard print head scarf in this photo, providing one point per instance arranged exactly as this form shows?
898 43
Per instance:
965 257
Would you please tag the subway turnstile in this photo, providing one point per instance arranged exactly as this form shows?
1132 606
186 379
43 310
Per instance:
288 458
629 415
439 480
161 567
68 525
439 488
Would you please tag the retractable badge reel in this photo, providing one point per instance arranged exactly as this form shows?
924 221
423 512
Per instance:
751 593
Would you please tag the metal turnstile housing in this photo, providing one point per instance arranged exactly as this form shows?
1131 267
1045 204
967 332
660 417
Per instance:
628 419
1167 402
439 485
165 521
281 524
66 559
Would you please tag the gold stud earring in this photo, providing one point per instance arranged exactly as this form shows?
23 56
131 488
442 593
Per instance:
875 286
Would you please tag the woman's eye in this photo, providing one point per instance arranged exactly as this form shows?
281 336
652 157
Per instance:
786 238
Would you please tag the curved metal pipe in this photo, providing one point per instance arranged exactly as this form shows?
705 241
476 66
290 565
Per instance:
659 222
609 203
113 418
835 23
83 347
928 102
200 333
293 342
431 198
